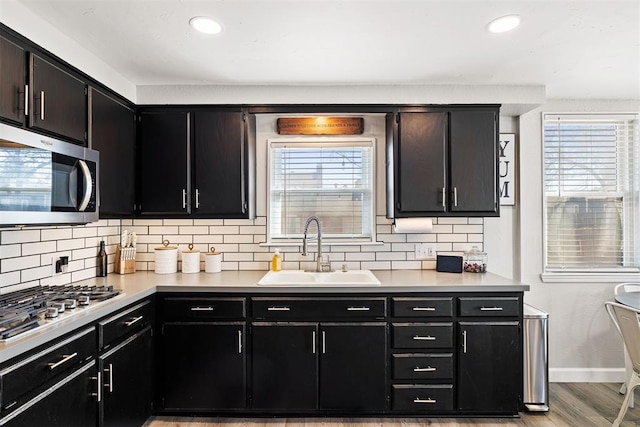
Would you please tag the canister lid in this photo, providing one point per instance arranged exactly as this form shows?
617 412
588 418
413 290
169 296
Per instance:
212 251
165 246
191 250
475 251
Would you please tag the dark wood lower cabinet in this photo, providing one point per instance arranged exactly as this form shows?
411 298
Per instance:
203 366
71 401
127 373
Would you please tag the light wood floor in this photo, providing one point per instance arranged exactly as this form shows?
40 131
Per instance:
572 404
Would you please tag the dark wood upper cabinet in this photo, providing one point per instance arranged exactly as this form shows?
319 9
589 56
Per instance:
112 131
58 101
445 162
13 80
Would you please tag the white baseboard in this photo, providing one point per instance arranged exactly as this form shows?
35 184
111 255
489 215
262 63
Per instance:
586 375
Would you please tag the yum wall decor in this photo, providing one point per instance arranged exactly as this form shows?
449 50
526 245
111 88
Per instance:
507 168
320 125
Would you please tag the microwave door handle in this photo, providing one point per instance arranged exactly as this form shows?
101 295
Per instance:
86 174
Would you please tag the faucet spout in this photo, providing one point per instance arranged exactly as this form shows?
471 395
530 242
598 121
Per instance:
321 264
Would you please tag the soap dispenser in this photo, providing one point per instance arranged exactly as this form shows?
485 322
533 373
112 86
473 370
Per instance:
276 261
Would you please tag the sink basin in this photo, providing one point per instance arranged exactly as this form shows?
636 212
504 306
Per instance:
310 278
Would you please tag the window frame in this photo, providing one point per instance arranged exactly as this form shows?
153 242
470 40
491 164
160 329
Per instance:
337 140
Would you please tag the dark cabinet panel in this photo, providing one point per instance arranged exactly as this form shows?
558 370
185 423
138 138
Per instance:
284 366
58 101
489 367
13 78
112 131
219 164
164 151
473 161
72 401
203 366
127 373
421 156
353 367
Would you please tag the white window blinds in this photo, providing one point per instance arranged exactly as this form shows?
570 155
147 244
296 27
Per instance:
331 180
591 183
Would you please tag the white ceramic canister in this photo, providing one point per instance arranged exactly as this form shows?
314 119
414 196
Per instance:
191 260
166 258
213 261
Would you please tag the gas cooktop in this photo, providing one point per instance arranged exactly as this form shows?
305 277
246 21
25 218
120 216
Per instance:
28 309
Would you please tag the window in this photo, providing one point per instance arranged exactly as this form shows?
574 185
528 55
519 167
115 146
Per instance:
332 180
591 186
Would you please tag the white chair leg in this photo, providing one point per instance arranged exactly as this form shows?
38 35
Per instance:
631 385
628 374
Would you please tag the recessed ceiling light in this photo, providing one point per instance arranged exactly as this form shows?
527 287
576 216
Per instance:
205 25
503 24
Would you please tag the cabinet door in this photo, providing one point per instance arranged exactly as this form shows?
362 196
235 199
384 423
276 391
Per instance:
72 401
203 366
12 81
164 148
474 154
58 101
219 164
285 366
127 373
112 131
421 158
353 367
490 367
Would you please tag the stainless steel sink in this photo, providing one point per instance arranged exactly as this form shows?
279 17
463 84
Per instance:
309 278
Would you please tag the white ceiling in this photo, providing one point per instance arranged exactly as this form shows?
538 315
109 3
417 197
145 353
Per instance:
576 49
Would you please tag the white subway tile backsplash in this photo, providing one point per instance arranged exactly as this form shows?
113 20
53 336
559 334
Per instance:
208 239
467 228
391 256
84 253
442 229
237 256
360 256
84 274
164 230
84 232
66 245
224 229
261 220
177 222
479 220
390 238
38 248
453 238
201 229
11 278
10 251
208 222
423 238
403 247
56 233
378 265
19 263
406 265
238 238
238 222
448 220
253 266
252 229
31 274
19 236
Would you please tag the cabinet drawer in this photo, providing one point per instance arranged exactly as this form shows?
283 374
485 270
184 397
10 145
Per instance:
124 323
422 307
318 308
186 309
422 366
422 398
489 307
30 373
422 335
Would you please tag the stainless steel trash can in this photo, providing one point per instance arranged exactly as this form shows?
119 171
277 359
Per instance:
536 358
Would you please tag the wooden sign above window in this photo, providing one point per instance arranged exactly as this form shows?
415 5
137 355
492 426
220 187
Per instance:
321 125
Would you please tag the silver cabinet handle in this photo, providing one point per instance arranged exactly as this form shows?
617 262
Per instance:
464 342
240 342
65 358
427 369
133 321
110 385
444 198
424 309
427 338
455 196
358 308
201 308
197 198
324 343
41 105
313 342
490 308
26 100
278 309
99 392
427 400
184 199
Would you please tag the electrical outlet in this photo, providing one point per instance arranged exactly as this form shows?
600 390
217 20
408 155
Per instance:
55 262
431 252
421 251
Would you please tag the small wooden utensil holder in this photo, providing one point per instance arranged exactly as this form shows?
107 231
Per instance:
125 260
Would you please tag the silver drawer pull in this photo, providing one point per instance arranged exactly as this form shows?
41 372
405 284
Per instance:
201 308
65 358
427 338
278 309
134 320
491 308
427 369
424 309
427 400
358 308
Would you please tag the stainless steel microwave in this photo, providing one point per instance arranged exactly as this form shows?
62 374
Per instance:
46 181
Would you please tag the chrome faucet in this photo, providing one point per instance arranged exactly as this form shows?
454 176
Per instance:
322 264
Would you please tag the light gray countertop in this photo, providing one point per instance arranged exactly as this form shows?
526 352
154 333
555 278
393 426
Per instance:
142 284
